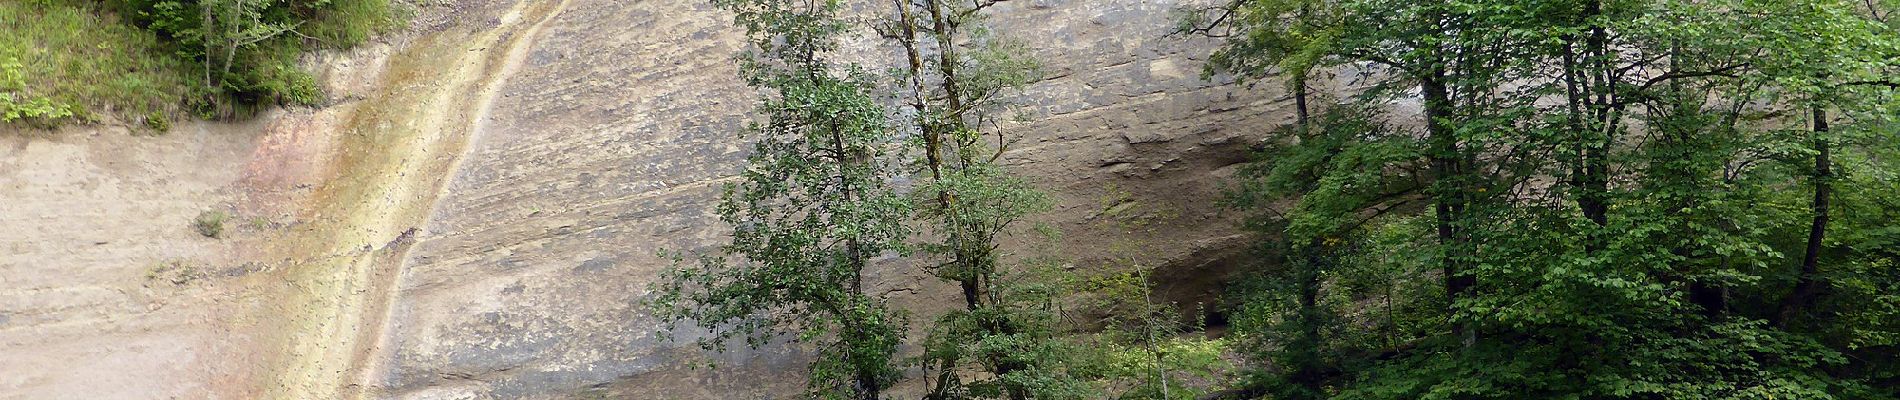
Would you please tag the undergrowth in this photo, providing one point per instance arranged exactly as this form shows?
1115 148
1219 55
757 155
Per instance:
68 61
64 61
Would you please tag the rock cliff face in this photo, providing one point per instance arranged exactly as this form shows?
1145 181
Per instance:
480 209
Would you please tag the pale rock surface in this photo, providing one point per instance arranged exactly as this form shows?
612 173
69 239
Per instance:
480 210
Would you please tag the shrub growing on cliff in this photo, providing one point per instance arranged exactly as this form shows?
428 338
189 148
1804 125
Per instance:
210 223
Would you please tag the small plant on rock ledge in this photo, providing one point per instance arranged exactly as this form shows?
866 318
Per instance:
210 223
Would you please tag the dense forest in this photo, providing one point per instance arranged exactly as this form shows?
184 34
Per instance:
1602 199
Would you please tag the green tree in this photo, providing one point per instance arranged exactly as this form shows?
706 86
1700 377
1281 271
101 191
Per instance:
1318 196
1456 56
955 78
814 205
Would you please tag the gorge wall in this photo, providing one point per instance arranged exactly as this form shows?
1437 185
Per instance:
480 207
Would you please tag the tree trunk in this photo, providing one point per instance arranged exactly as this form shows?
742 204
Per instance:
1588 81
1809 282
867 389
935 141
1299 104
969 250
1307 368
1595 200
1448 197
204 31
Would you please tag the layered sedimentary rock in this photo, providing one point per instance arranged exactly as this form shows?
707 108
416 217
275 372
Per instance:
479 212
609 145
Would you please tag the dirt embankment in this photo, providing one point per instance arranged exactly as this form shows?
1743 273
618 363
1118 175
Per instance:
103 290
109 290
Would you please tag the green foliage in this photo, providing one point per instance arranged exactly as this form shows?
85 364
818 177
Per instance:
1148 349
63 61
175 272
37 111
1328 194
956 87
1041 360
988 200
158 122
137 58
1129 372
817 200
1292 36
814 205
210 223
345 23
245 51
1611 192
1598 199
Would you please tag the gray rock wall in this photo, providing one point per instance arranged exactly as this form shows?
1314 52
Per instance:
609 145
543 151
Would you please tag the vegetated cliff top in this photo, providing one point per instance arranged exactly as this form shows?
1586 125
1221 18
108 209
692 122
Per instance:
64 61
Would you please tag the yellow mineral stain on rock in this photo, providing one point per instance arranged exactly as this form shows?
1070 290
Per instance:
397 150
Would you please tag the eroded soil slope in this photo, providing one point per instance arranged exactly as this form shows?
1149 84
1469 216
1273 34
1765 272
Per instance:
102 276
110 289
